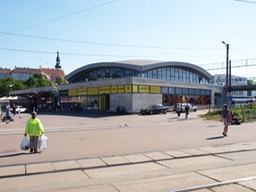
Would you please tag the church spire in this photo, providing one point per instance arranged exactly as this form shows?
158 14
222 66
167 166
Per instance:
58 66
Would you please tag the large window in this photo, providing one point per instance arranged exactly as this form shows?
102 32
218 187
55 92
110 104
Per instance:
165 73
174 74
108 73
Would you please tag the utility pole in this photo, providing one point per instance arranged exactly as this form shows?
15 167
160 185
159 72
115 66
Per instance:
227 77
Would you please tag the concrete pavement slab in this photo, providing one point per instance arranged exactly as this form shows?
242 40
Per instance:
194 151
158 155
231 173
231 188
250 184
217 149
248 155
243 146
63 165
177 153
39 168
99 188
114 160
12 170
203 190
90 163
124 172
193 162
44 182
136 158
164 184
229 148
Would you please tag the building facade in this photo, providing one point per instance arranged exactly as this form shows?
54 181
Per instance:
24 73
133 85
4 73
235 80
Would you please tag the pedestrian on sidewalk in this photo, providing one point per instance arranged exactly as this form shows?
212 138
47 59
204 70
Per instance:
186 111
178 109
34 129
226 118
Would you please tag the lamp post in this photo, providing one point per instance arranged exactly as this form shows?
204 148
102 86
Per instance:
6 90
227 61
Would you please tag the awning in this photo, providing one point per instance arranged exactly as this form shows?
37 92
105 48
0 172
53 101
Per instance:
13 98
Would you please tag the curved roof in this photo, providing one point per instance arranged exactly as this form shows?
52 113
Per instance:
141 66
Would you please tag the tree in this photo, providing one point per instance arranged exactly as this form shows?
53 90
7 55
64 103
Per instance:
11 85
60 81
37 80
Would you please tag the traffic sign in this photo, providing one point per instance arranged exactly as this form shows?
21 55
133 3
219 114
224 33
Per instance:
230 97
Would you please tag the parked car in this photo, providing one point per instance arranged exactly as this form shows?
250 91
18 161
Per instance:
154 109
191 107
20 109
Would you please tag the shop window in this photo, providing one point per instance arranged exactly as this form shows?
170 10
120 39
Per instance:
164 89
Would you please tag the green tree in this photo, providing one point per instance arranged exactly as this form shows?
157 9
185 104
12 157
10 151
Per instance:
60 81
37 80
9 84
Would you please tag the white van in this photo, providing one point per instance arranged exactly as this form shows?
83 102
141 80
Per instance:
183 105
20 109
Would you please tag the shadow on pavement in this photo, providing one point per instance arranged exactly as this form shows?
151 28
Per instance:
13 155
212 138
83 114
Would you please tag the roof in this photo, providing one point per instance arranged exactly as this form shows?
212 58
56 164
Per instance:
25 70
53 72
139 62
141 66
5 71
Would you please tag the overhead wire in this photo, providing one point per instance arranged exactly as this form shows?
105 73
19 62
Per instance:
61 17
82 54
245 1
103 44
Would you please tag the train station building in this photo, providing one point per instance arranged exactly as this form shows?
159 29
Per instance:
132 84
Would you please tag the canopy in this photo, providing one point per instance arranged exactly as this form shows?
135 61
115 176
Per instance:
13 98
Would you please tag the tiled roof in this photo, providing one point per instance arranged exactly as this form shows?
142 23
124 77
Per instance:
25 70
5 71
53 72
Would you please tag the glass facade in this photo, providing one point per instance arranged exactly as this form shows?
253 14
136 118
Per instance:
164 73
174 95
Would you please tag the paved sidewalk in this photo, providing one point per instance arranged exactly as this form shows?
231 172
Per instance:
130 153
217 168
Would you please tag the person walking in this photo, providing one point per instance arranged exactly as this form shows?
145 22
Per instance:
186 111
178 110
34 129
226 118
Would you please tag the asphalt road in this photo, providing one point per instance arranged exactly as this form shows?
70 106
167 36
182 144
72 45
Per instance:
82 136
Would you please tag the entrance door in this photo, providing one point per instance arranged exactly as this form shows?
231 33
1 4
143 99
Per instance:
104 102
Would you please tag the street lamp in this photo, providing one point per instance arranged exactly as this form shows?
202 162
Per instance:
227 61
6 90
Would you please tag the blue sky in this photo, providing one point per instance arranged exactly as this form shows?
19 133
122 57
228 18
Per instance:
89 31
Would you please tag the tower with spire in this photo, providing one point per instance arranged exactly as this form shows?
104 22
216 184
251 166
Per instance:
58 66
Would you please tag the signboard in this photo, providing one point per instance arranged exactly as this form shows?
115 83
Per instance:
104 90
144 88
229 97
135 88
113 89
120 89
72 92
93 91
155 89
82 91
128 88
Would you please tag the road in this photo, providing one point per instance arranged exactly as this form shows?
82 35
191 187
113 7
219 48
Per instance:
72 137
127 149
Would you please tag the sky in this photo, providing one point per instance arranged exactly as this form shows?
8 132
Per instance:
91 31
